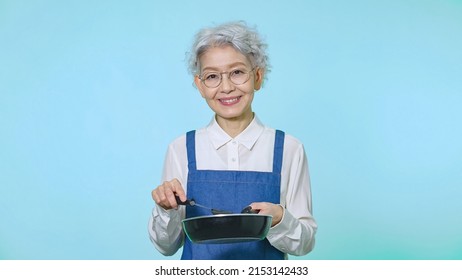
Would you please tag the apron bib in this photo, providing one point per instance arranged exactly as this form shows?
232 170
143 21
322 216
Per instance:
232 190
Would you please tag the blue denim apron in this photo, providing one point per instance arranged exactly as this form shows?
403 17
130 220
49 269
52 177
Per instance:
232 190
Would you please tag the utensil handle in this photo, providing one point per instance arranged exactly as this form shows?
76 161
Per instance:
186 202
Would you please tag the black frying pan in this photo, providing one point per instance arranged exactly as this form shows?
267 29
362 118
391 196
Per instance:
224 227
227 228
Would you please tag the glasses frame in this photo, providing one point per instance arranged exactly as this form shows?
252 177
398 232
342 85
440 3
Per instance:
201 77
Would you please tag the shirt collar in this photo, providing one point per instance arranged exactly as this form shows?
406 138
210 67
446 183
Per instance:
248 137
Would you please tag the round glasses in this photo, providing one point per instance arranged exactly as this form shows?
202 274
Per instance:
236 76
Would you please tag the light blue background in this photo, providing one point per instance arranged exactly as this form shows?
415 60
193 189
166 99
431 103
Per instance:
92 92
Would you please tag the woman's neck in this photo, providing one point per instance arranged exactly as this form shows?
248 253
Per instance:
234 126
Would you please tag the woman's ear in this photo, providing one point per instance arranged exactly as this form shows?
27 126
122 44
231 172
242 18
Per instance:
199 85
259 75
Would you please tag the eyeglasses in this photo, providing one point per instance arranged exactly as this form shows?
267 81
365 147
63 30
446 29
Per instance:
236 76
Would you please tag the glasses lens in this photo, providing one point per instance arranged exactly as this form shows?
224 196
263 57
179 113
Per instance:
212 79
238 77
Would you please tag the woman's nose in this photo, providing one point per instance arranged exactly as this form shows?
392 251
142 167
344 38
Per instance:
226 85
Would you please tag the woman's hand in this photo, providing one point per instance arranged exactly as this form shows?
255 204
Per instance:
164 195
271 209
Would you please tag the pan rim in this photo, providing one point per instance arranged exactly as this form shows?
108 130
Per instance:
225 216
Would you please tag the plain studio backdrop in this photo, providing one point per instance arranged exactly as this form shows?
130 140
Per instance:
92 92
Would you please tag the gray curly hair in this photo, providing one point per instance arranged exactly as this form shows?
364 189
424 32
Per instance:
244 39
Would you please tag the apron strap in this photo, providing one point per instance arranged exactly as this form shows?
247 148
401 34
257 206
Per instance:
278 151
191 149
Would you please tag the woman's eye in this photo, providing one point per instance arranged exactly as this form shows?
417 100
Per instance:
237 72
212 76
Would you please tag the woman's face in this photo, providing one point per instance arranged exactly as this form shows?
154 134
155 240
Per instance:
228 100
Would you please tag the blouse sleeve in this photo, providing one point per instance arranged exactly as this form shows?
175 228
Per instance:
164 227
295 234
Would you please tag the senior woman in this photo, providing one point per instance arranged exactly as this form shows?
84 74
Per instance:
253 164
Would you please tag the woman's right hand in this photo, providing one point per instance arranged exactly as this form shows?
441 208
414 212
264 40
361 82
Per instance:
164 195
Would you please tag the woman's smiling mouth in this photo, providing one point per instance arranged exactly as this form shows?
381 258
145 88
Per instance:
229 101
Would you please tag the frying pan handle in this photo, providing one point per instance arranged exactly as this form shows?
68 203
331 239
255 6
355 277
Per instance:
249 210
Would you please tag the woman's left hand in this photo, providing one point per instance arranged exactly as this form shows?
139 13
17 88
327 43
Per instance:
271 209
